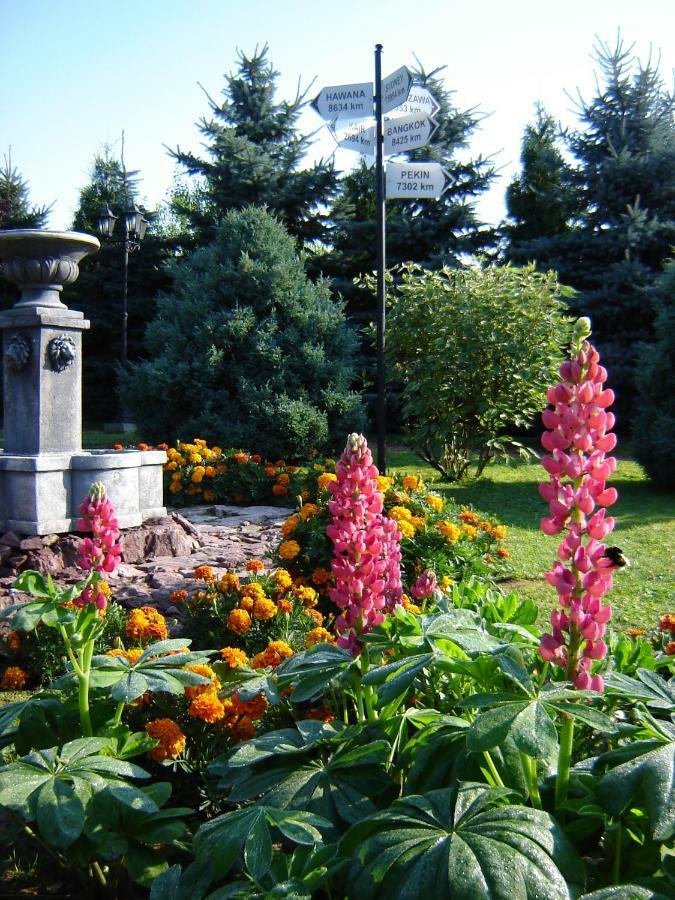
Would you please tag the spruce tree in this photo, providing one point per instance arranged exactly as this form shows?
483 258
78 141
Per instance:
16 210
254 156
246 351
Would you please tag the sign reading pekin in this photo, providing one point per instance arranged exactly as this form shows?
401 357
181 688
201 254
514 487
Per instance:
423 179
344 101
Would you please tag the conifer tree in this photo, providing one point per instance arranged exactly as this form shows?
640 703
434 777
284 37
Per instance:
254 156
16 210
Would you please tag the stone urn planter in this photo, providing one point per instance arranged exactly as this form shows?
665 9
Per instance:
44 472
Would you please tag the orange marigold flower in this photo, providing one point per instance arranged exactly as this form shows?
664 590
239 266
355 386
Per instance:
307 595
324 480
14 640
239 498
307 510
239 621
320 575
314 615
204 573
255 565
319 636
503 553
178 596
142 446
118 447
132 655
280 464
279 490
466 515
283 478
209 472
161 446
207 706
635 632
234 657
13 679
289 525
270 471
667 622
171 739
242 730
289 549
228 583
412 483
246 603
257 458
240 457
272 656
194 690
264 609
255 707
145 624
670 648
209 496
284 606
320 713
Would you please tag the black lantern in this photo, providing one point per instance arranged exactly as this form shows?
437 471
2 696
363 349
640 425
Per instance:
134 222
106 222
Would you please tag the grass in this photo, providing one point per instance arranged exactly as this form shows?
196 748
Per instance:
645 531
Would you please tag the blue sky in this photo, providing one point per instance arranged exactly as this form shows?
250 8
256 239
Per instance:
74 74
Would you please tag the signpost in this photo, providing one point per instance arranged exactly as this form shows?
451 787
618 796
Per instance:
344 101
413 126
419 179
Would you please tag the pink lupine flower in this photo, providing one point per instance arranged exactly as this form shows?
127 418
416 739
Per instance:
101 551
366 545
425 585
577 439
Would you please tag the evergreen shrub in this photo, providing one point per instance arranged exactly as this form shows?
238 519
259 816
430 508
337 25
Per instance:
246 350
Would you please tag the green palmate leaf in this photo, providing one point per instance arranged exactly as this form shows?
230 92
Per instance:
459 843
649 774
313 671
10 712
158 669
649 889
60 809
649 687
395 679
527 722
34 583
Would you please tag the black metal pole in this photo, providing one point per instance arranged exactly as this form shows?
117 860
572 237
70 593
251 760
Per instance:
124 317
381 266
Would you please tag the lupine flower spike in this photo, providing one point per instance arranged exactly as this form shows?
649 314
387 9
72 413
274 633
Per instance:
100 552
578 436
367 554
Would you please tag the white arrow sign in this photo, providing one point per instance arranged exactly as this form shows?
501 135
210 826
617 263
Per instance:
428 180
358 137
344 101
395 89
408 132
420 99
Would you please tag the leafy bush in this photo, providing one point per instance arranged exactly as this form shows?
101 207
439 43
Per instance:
246 350
654 426
474 351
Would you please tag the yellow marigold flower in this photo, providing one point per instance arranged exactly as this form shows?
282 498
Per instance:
195 458
255 590
229 583
306 595
308 510
217 451
499 532
200 442
284 606
264 609
171 466
281 648
324 480
239 621
413 483
207 706
132 655
406 528
470 531
13 679
204 573
197 475
289 549
419 522
320 575
289 525
449 530
194 690
105 589
314 615
255 565
384 483
635 632
246 603
400 513
234 657
319 636
176 476
446 583
282 579
171 739
409 605
436 503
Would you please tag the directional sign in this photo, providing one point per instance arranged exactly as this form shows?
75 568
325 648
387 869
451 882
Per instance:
345 101
359 137
395 89
408 132
420 99
425 179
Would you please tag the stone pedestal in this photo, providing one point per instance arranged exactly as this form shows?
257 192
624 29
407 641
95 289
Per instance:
44 472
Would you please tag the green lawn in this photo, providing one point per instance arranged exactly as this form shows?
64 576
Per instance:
645 531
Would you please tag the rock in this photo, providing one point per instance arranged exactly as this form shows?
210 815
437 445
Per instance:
9 539
45 560
133 545
31 543
50 539
16 563
185 524
157 520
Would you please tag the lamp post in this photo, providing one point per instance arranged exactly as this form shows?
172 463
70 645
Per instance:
135 225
